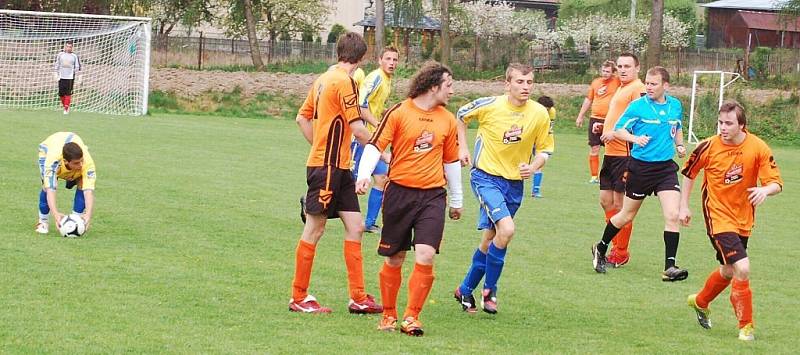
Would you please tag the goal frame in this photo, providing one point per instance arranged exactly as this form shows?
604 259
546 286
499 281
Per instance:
147 25
692 137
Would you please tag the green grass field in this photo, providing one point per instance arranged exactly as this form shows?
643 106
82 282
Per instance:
192 251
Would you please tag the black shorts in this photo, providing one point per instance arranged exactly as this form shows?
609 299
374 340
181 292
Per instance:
65 87
406 209
648 178
594 138
612 174
330 191
730 247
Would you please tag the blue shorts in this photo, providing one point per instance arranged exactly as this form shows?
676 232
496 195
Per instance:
498 197
380 169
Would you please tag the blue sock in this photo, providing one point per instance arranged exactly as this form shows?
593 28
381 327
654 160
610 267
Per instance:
495 259
79 204
475 272
537 182
43 207
373 206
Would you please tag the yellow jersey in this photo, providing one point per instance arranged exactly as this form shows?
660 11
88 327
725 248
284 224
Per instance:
373 92
507 134
52 165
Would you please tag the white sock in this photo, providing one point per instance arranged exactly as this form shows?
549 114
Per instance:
44 218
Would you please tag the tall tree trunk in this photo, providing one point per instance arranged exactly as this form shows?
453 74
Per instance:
379 27
656 30
255 51
445 31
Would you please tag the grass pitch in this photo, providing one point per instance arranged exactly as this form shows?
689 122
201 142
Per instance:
193 242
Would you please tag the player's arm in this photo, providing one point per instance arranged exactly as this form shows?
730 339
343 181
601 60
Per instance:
88 196
679 143
360 131
770 178
463 115
685 213
366 91
305 114
88 180
56 74
626 124
544 147
366 114
372 152
587 104
452 171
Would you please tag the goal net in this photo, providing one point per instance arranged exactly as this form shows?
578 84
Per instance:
707 98
114 55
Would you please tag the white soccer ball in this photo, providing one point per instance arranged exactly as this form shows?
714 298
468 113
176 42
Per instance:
72 226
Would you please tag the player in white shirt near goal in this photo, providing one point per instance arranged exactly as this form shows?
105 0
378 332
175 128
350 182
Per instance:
67 67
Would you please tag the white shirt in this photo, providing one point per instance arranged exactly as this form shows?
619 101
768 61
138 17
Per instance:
67 64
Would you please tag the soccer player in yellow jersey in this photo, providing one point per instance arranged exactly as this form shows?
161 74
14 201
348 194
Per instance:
548 103
509 128
372 95
64 156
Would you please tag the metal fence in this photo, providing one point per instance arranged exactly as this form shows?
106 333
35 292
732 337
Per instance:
209 52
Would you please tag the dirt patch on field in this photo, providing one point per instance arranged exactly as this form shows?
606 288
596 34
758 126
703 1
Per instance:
190 83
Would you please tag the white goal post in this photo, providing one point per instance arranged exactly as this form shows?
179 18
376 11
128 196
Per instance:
113 51
722 85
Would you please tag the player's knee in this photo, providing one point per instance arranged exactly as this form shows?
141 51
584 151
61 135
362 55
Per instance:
424 255
594 150
726 271
396 260
741 269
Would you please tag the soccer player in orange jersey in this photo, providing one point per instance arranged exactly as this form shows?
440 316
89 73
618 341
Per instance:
733 162
329 119
599 96
424 141
617 154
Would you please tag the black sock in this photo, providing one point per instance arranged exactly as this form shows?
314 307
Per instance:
670 248
608 234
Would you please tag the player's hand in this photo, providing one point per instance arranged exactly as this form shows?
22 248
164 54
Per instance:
641 140
579 122
455 213
685 216
525 170
681 151
78 79
597 127
757 195
362 186
58 216
463 156
386 157
56 77
607 137
87 221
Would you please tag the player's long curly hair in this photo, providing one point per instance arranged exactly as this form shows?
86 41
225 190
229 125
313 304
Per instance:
429 76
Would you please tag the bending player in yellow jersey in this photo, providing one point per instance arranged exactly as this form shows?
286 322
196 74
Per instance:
64 156
372 95
509 128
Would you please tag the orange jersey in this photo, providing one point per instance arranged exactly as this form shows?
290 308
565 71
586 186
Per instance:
729 172
618 104
332 104
600 92
422 141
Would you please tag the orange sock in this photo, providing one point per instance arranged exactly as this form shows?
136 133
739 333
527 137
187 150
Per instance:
610 213
742 301
622 239
715 284
419 286
303 262
390 280
594 163
355 273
